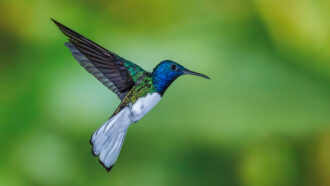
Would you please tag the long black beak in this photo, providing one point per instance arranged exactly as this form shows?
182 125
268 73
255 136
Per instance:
195 73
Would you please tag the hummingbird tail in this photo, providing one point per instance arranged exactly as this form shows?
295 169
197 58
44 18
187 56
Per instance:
108 139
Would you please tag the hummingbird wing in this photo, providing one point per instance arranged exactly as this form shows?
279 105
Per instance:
116 73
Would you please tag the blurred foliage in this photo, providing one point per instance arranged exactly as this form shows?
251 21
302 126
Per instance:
262 120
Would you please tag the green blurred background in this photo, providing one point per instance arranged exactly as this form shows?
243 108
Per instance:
263 119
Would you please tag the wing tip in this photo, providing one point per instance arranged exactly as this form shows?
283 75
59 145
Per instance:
60 26
52 19
56 22
71 34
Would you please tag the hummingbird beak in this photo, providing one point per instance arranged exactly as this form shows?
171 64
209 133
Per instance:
195 73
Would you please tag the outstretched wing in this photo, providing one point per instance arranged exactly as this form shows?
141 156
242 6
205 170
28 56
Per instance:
116 73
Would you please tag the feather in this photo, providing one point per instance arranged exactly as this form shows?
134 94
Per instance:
112 70
108 139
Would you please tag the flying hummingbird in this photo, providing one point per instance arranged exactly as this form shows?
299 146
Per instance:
138 90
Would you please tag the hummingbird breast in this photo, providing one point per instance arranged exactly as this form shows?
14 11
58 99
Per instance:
143 105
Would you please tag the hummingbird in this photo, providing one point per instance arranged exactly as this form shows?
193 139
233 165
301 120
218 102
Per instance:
138 90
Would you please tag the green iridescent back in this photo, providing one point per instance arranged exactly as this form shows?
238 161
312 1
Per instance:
143 84
134 70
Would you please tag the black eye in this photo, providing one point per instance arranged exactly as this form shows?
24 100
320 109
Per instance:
173 67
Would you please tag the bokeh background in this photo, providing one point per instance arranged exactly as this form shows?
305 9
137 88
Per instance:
263 119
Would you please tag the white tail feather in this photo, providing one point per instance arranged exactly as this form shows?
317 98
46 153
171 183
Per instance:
108 139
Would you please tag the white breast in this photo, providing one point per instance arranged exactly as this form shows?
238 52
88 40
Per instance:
143 105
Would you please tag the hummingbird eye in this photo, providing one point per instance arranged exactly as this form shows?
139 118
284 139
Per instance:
174 67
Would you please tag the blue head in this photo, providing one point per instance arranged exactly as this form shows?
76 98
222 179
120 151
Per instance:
166 72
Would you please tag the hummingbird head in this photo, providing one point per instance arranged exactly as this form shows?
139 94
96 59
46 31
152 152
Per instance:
167 71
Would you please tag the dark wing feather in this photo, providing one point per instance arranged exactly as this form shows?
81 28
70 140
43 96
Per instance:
106 66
